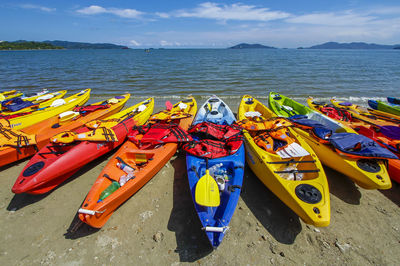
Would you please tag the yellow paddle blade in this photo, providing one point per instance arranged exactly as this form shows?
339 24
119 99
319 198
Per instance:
207 193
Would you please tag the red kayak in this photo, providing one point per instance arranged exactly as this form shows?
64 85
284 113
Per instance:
389 141
55 163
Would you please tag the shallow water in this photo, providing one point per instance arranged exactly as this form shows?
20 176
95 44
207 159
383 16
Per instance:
170 74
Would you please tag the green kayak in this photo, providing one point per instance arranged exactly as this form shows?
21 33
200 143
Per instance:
385 107
286 107
367 173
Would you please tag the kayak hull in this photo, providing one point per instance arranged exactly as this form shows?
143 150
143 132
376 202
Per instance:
351 167
381 106
95 212
220 216
215 220
38 103
59 162
265 164
44 130
365 127
38 116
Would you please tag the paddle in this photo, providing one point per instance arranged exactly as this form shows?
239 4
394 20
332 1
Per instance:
207 192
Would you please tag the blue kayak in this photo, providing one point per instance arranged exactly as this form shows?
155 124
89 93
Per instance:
393 100
230 169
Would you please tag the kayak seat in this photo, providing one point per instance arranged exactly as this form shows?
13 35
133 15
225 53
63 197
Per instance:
319 103
345 104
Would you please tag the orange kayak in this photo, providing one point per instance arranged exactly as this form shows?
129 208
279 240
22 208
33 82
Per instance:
69 121
145 163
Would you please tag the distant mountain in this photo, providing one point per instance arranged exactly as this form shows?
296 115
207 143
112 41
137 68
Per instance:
353 45
250 46
397 47
84 45
24 45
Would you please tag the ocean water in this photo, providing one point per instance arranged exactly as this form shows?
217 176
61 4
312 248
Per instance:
171 74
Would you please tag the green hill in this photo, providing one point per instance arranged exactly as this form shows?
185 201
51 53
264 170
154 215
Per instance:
353 45
84 45
24 45
251 46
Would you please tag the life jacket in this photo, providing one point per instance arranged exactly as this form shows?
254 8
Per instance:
271 135
218 132
166 115
83 110
151 134
99 134
319 131
213 140
258 123
386 136
359 146
16 104
336 113
212 149
347 144
14 138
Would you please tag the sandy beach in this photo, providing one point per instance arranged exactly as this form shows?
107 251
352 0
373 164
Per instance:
158 225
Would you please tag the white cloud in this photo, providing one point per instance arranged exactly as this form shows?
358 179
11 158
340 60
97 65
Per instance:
237 11
162 15
165 43
135 43
42 8
124 13
344 18
92 10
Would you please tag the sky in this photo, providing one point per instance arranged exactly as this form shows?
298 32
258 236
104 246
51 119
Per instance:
202 24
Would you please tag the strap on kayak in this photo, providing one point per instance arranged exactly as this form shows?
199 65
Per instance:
15 138
99 134
291 161
215 229
90 212
295 171
233 188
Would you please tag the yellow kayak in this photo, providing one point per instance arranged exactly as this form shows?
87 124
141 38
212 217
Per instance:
6 95
363 112
57 107
295 176
367 173
39 101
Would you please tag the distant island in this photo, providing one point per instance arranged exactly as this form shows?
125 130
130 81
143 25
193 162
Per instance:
29 45
250 46
353 45
84 45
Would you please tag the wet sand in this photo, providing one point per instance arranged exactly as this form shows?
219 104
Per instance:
158 225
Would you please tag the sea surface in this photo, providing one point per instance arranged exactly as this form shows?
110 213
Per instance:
171 74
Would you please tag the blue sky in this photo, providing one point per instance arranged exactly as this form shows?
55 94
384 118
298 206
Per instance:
202 24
